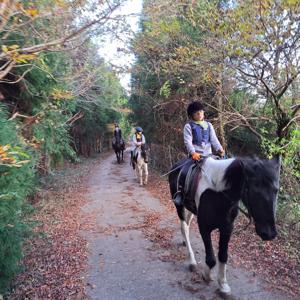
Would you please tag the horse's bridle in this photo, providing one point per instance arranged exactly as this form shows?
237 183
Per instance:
245 197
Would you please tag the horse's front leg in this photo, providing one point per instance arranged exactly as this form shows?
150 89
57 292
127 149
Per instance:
139 170
146 173
222 257
185 230
210 258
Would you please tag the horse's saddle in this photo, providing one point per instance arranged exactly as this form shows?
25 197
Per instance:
188 180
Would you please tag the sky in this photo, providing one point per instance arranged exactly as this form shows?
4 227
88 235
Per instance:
109 49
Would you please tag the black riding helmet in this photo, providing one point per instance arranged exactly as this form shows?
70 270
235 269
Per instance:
194 107
138 129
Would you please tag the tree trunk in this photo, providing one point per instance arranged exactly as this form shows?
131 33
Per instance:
295 91
219 101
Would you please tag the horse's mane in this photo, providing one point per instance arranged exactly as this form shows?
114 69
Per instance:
250 167
264 169
245 168
233 177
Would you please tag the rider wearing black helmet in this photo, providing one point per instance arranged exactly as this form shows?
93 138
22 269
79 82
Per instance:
199 135
199 138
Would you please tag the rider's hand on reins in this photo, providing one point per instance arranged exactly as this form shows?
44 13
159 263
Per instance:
221 153
196 156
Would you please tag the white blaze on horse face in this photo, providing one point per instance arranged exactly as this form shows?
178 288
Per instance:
212 176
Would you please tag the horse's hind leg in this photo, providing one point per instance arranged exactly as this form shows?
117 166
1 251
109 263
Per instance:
222 257
185 219
185 230
188 217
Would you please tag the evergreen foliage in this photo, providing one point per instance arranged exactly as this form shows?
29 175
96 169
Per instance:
50 102
17 181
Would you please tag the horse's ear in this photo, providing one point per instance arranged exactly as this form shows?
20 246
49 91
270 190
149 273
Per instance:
277 158
277 161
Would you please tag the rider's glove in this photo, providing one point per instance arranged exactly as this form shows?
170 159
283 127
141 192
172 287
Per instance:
221 153
196 156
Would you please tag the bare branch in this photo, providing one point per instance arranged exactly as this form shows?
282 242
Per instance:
19 79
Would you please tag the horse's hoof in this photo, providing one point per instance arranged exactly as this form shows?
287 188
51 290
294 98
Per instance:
206 277
224 289
192 268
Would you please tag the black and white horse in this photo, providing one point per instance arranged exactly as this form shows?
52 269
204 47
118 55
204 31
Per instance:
118 145
222 184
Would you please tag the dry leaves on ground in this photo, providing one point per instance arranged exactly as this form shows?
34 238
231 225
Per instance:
55 257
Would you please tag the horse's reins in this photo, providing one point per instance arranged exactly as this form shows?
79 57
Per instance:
245 200
173 170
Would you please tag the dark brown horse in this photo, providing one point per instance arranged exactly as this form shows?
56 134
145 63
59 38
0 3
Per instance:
118 145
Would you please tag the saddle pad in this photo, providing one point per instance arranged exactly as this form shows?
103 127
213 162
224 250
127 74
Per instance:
190 187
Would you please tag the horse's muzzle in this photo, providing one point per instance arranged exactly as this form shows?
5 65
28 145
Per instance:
267 233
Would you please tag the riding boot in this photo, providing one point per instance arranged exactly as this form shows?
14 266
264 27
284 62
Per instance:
132 160
144 153
145 157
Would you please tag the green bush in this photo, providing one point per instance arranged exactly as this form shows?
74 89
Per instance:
53 134
17 179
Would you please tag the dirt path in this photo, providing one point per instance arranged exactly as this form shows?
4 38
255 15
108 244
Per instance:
135 249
